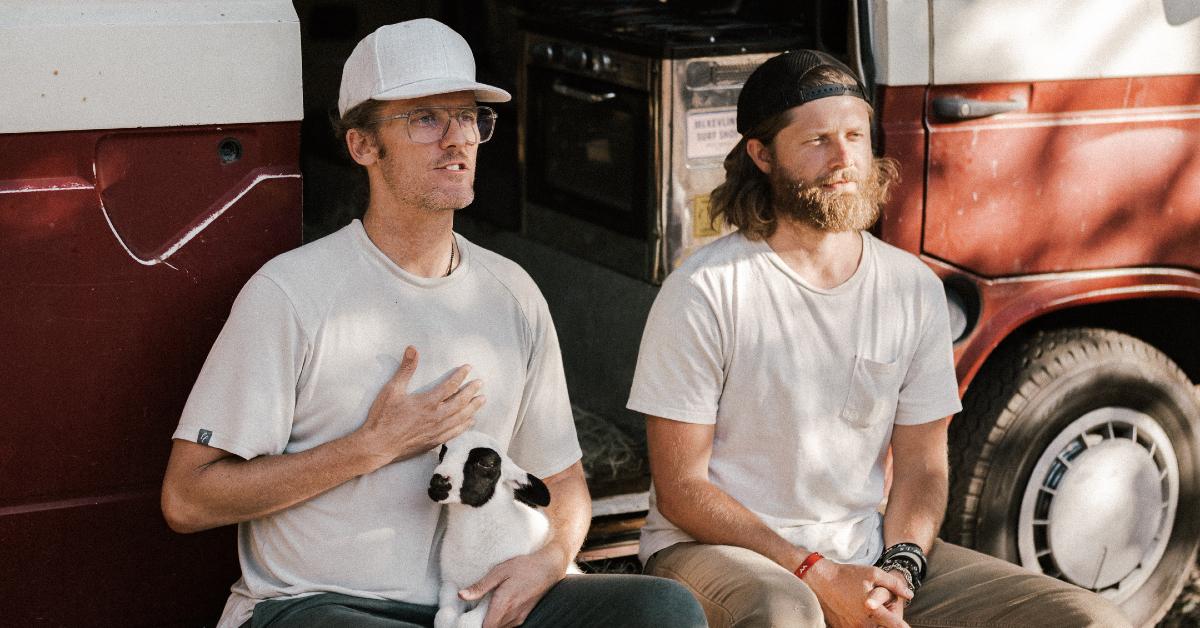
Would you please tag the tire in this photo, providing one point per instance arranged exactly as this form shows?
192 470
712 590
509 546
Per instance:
1076 455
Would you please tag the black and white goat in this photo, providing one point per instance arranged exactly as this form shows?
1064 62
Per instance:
493 514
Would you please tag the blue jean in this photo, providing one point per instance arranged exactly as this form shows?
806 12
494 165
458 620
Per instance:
592 601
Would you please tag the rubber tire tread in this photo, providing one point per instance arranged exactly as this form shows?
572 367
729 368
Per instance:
1001 391
1004 388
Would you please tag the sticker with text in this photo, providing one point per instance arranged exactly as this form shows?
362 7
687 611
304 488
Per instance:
711 134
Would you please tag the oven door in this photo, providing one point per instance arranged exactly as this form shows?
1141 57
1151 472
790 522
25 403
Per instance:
588 151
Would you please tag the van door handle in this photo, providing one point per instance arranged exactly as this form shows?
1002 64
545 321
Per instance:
959 108
579 94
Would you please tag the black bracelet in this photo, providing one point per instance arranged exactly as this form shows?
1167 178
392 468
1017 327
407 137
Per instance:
906 555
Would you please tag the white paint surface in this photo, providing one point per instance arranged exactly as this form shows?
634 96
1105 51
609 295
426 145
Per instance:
901 35
72 65
997 41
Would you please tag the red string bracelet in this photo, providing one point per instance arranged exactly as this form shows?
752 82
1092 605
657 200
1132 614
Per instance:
807 564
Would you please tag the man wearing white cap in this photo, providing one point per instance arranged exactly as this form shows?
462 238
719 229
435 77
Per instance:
316 420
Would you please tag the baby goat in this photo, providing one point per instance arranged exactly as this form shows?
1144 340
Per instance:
492 515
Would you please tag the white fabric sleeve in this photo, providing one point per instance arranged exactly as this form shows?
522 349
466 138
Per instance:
680 364
930 388
544 442
245 396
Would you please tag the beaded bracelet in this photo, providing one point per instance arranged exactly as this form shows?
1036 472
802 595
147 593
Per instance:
907 556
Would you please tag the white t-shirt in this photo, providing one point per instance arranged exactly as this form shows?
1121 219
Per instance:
803 384
311 340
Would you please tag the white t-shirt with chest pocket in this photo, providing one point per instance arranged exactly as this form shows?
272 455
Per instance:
803 384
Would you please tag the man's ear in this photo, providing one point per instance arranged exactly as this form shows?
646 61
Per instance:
532 492
760 153
361 146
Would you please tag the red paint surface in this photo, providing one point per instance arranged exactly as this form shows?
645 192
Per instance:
1009 304
100 353
154 202
1119 191
1097 174
900 115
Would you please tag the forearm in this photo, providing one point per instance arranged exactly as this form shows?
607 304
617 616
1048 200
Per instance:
916 505
710 515
201 493
570 512
205 487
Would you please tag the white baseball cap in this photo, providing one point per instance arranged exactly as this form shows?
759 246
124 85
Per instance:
408 60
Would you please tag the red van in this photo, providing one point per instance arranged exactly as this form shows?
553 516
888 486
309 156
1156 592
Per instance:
1051 178
149 163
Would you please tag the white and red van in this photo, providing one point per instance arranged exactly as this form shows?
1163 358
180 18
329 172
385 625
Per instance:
149 162
1050 153
1051 161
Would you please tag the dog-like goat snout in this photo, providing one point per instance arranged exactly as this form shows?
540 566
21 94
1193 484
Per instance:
439 487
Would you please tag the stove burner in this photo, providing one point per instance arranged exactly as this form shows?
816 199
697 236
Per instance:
657 29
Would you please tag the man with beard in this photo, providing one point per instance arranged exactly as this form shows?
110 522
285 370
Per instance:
316 422
778 366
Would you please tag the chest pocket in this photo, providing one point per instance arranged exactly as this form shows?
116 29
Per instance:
873 393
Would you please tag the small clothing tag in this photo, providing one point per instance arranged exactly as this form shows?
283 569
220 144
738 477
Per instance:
204 437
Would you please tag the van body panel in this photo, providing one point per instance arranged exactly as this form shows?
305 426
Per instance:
179 63
83 295
201 172
110 561
900 37
1008 304
1061 186
899 113
120 255
1010 41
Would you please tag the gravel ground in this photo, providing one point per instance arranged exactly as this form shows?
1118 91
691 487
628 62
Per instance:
1186 612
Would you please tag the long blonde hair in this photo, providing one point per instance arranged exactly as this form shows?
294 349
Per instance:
743 200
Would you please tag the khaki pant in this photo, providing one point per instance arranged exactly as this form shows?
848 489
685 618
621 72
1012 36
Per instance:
963 588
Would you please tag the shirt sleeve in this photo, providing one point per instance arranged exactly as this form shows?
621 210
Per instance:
680 364
245 396
544 442
930 388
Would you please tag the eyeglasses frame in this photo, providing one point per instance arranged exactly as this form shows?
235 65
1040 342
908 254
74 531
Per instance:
477 108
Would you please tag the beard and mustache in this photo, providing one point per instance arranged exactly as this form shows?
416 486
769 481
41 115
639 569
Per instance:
832 210
406 183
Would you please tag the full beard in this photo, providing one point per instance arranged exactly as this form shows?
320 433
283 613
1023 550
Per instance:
831 210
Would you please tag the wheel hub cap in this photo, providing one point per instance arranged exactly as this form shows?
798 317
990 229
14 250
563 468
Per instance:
1098 507
1106 513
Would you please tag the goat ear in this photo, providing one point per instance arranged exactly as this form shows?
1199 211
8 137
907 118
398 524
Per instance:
532 492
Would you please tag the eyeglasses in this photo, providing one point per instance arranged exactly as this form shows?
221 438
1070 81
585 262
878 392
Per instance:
430 124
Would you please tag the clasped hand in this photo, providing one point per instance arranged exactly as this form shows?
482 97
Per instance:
852 596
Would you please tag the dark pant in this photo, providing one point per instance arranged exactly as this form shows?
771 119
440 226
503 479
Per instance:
578 601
